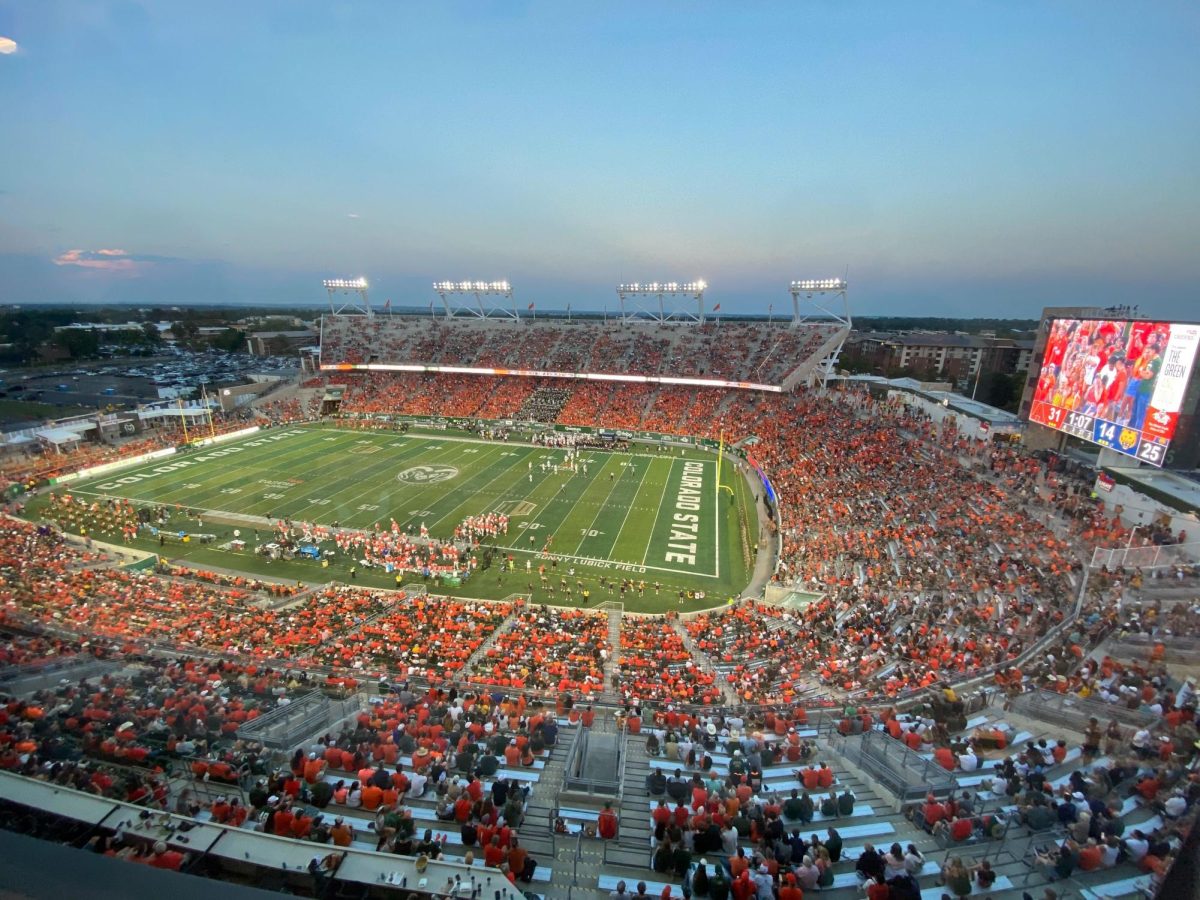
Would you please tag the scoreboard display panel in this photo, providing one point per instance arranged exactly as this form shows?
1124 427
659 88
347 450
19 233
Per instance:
1116 383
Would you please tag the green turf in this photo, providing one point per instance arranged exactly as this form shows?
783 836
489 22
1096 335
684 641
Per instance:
648 514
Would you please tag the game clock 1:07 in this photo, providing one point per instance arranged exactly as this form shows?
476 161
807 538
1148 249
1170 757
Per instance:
1079 425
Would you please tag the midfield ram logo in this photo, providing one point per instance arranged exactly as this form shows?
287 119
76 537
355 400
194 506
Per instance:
427 474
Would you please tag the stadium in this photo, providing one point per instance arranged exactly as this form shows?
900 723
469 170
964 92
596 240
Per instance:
566 606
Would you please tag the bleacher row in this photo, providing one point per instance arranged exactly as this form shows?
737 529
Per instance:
760 352
875 821
422 810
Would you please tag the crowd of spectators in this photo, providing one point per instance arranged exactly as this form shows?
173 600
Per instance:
655 665
32 464
427 636
766 352
923 566
149 716
548 649
754 649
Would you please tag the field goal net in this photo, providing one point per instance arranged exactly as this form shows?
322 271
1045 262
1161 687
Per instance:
1155 556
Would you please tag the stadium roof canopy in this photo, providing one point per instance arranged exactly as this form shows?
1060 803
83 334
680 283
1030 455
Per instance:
1176 490
63 435
957 402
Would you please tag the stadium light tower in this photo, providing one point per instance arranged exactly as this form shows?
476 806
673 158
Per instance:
662 301
504 304
357 287
819 310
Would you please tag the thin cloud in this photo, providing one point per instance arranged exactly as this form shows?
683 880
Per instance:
7 46
351 215
105 260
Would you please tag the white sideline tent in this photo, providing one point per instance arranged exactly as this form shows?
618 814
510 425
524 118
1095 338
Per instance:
63 438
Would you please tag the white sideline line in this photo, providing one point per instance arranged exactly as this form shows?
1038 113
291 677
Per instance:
628 510
601 563
717 516
654 524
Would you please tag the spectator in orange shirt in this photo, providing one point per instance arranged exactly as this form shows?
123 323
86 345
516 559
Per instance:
314 768
341 833
372 797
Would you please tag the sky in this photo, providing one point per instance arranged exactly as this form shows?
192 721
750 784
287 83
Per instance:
960 158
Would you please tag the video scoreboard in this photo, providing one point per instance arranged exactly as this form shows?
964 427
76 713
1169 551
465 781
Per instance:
1116 383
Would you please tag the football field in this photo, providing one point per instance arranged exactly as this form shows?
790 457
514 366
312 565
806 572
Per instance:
650 514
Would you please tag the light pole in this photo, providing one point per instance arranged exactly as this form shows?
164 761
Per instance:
483 292
356 286
673 300
814 291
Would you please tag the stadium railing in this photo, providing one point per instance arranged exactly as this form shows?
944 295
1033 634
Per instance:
80 667
226 849
1176 648
908 774
285 726
573 777
1076 711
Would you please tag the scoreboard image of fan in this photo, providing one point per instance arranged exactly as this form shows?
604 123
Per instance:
1117 383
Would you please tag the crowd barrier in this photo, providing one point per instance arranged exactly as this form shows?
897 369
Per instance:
1076 712
906 773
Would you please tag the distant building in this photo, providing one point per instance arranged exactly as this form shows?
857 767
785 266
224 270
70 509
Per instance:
956 356
107 327
251 322
277 343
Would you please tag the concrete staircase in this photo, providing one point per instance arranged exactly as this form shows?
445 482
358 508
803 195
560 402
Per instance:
628 857
705 662
481 653
615 615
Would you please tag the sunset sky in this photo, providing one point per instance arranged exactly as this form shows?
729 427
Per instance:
954 158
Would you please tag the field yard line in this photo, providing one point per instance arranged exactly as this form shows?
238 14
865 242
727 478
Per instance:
482 488
374 487
341 458
604 505
243 474
387 460
654 524
313 476
614 565
628 510
149 466
176 480
566 483
469 440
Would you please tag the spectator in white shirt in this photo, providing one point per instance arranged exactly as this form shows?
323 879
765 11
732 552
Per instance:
1137 846
1141 742
416 784
685 747
1175 805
